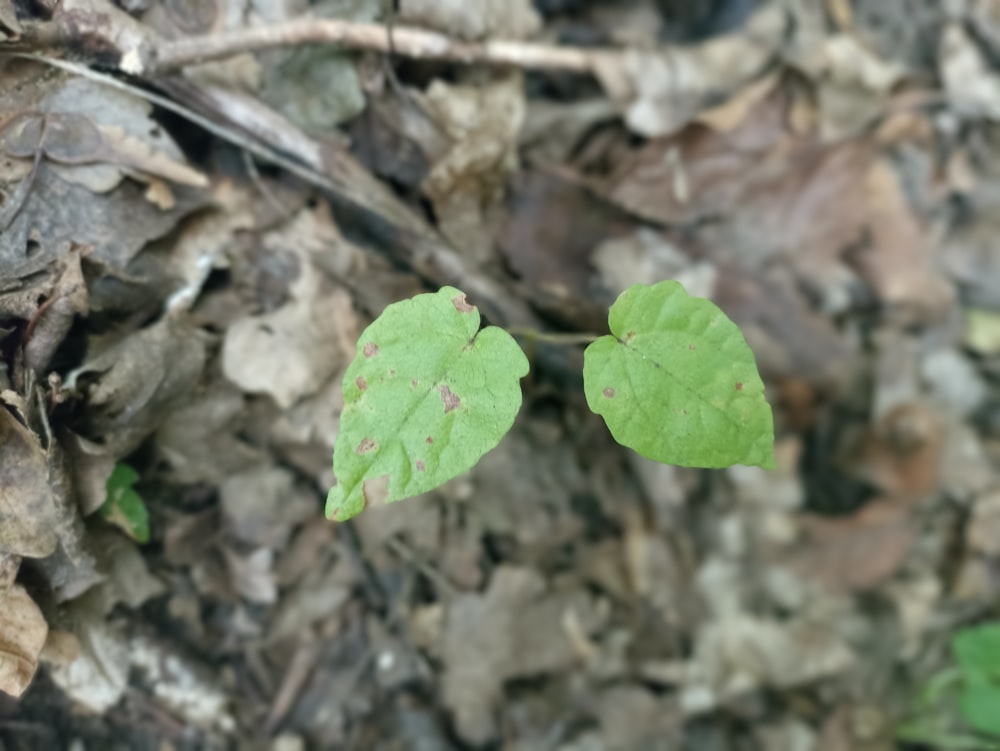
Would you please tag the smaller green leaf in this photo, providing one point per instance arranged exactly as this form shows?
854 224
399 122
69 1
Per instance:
124 507
677 382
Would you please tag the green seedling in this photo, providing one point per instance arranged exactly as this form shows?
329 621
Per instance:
124 507
977 652
961 698
429 392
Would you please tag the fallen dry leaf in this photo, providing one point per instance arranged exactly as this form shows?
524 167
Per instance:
251 575
22 635
967 75
90 466
968 252
292 351
661 91
316 598
91 132
135 382
28 506
857 728
200 439
737 654
510 631
983 535
10 564
290 85
902 454
899 263
854 553
466 183
55 316
262 506
8 19
552 257
789 339
756 193
634 717
852 82
58 214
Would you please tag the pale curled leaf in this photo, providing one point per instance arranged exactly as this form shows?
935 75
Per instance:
127 150
22 635
29 510
677 382
426 396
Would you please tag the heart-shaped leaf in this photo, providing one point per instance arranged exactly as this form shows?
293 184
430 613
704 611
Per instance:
677 382
427 395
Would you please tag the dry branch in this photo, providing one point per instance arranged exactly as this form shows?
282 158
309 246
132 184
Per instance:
405 41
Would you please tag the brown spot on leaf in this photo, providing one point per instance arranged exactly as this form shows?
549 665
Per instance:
739 385
691 347
392 372
461 305
370 350
361 383
450 398
609 392
414 382
366 445
430 440
375 491
420 465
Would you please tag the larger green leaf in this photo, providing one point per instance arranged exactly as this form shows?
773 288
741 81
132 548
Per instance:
677 382
427 395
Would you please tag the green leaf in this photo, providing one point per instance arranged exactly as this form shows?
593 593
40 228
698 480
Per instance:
677 382
427 395
979 704
124 507
977 651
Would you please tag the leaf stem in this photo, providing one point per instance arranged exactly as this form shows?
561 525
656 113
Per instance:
550 337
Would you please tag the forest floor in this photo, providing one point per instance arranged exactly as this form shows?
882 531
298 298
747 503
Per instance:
201 211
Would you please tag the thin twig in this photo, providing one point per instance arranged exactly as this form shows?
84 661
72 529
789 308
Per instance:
551 338
400 548
406 41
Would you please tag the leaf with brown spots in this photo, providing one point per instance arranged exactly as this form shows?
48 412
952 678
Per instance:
427 395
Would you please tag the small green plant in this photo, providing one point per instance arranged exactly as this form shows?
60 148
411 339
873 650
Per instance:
124 506
967 694
429 392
